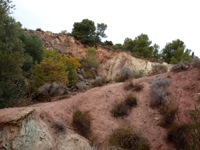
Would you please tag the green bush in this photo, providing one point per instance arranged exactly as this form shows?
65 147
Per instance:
129 139
49 71
82 122
92 59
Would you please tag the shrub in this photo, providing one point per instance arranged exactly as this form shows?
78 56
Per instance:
124 108
157 92
128 138
89 74
82 122
59 126
126 73
177 134
99 81
168 115
196 62
138 86
180 67
131 100
91 59
120 109
138 74
194 130
158 69
48 90
38 29
135 87
119 78
49 71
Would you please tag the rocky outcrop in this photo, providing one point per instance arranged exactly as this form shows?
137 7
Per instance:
31 129
111 67
68 44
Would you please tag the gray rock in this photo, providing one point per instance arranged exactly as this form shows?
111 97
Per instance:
80 77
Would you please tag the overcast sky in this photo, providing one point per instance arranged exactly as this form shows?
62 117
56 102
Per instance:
162 20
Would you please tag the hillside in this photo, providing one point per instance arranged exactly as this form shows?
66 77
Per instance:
182 92
112 61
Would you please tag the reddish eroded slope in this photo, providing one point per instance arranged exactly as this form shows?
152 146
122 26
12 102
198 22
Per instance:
183 93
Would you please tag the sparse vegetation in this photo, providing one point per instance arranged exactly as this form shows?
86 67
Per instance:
157 92
59 126
138 74
99 81
168 115
119 78
82 122
196 62
129 139
180 67
178 135
124 108
158 69
134 86
49 90
138 86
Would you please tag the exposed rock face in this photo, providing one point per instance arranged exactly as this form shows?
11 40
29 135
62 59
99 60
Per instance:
113 66
113 62
68 44
31 129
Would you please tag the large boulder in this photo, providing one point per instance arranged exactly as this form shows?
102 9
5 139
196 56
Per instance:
31 129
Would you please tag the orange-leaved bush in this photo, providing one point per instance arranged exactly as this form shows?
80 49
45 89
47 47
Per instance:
49 71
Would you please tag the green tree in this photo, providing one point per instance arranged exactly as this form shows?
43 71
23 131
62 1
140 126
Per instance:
173 60
118 46
84 31
12 85
177 50
128 44
155 52
142 46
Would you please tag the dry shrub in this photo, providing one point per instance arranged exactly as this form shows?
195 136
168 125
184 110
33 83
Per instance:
157 92
168 115
124 108
59 126
119 78
138 74
131 100
82 122
158 69
120 109
138 86
129 139
90 74
99 81
177 134
49 90
135 87
180 67
196 62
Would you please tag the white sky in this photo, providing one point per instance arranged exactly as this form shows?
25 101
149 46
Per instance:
162 20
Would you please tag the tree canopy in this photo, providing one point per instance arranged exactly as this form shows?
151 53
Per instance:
175 52
86 32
